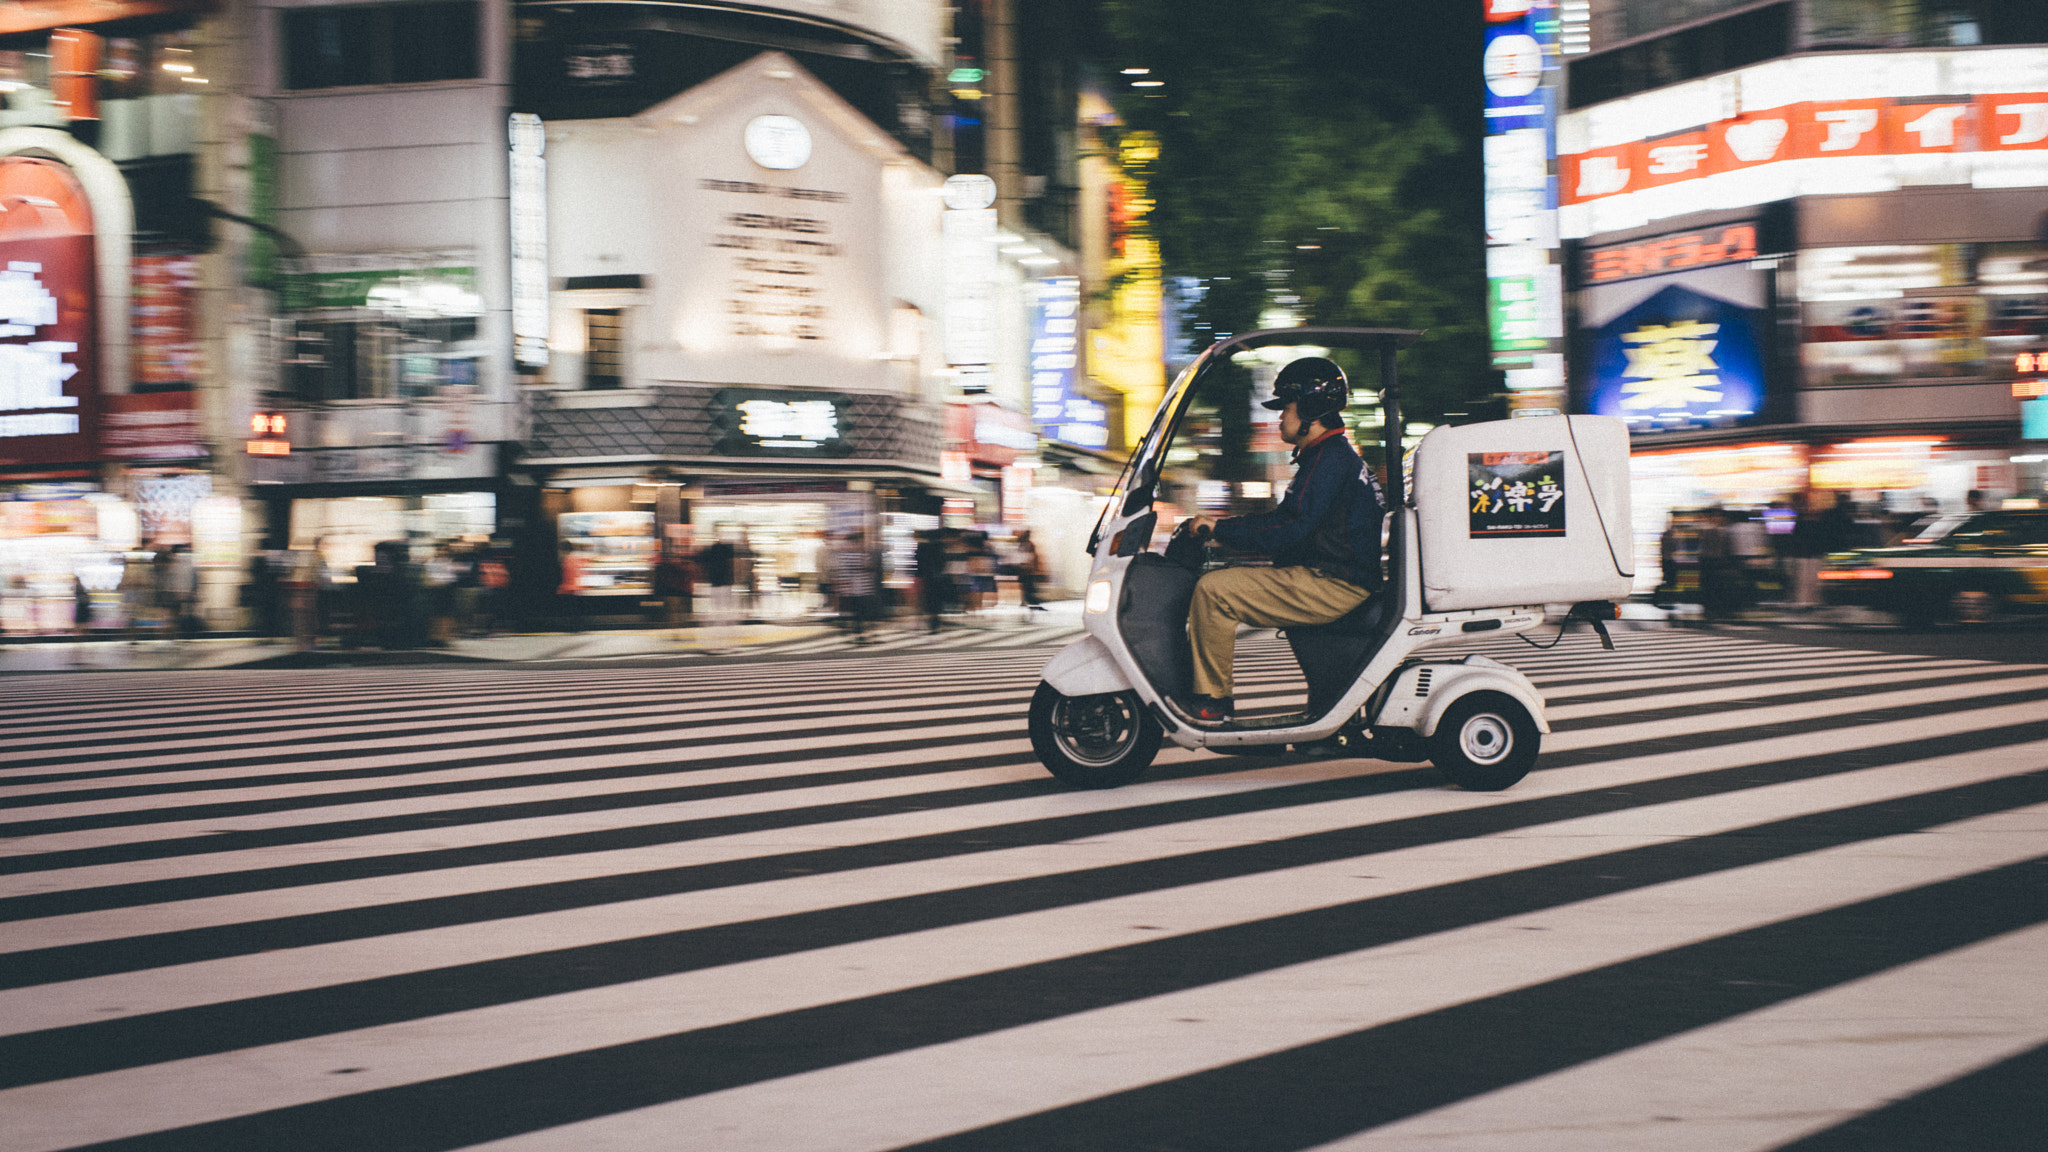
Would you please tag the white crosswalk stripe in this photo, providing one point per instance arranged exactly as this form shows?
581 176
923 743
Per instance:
817 901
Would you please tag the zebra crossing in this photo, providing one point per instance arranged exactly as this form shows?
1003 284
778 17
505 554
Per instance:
910 636
1756 895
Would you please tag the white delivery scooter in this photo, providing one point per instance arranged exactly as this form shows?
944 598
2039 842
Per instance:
1507 517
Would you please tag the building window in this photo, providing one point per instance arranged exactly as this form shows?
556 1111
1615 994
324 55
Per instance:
380 44
604 348
380 357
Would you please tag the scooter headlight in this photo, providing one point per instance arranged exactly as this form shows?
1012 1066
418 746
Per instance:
1098 596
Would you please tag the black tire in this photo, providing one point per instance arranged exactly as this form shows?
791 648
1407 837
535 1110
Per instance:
1093 741
1486 741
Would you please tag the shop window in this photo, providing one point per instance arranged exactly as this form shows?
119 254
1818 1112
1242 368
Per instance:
1924 23
344 46
143 101
1701 50
1920 311
1887 312
604 348
382 357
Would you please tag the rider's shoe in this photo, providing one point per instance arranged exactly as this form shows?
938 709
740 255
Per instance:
1209 709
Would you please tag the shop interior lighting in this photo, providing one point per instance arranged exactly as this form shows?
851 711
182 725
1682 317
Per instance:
1038 261
174 66
1021 250
1148 83
1137 72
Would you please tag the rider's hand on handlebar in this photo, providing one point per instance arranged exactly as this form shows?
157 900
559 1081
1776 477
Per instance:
1199 526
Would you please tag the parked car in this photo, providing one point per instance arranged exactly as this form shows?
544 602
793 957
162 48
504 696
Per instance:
1966 568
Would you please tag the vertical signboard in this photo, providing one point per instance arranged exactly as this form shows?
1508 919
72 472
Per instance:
1060 413
969 235
529 241
164 337
1525 285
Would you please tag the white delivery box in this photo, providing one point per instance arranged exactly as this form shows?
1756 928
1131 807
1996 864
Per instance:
1529 511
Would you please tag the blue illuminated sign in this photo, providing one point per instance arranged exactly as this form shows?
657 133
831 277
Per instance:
1679 359
1059 411
2034 419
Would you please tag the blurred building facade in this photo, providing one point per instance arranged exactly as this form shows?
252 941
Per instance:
769 318
574 282
128 171
1807 245
391 412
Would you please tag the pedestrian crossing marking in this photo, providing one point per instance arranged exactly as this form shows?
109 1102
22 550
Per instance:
569 873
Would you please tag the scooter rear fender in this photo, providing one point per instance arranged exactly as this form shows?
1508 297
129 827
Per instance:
1418 705
1085 668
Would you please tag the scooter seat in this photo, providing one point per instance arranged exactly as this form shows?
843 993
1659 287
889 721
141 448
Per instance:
1363 620
1331 655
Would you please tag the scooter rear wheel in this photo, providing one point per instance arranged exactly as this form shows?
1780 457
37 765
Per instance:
1093 741
1486 741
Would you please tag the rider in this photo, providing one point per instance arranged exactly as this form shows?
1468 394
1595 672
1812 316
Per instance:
1324 538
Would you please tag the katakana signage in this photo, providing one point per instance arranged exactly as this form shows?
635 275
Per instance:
1679 359
1515 494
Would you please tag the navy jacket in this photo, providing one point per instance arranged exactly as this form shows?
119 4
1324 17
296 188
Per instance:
1329 519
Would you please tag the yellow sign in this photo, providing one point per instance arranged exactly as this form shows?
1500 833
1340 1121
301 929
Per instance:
1671 366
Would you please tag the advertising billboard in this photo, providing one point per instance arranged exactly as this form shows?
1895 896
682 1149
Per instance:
1680 357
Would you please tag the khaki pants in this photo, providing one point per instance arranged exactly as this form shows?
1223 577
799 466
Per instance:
1257 598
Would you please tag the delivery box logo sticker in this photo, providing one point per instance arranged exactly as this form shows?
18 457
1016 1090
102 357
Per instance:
1516 494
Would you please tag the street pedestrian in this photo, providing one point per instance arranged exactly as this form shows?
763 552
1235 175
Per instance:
929 561
1720 572
1030 571
853 577
715 564
493 577
1804 549
673 578
1750 548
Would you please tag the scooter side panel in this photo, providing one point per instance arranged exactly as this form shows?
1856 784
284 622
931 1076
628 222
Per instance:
1085 668
1418 704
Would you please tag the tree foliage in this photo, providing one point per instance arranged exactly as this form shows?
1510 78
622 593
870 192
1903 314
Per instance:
1292 173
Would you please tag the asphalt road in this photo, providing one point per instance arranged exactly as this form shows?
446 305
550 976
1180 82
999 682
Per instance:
1757 895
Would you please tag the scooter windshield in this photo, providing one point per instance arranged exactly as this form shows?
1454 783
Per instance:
1212 447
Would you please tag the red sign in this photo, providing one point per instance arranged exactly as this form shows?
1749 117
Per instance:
989 435
1815 130
1730 244
150 426
166 290
57 13
1669 159
2012 122
49 390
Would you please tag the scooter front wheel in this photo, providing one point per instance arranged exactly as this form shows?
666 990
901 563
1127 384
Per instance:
1486 741
1092 741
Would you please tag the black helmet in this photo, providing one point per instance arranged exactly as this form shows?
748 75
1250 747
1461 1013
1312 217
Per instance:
1315 385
